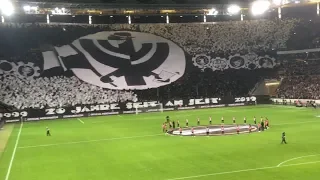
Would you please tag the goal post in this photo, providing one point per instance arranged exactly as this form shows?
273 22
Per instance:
155 108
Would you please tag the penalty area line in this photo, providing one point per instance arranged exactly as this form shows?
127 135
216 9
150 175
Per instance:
300 157
80 120
244 170
14 152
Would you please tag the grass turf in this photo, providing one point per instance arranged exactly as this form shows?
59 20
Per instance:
132 147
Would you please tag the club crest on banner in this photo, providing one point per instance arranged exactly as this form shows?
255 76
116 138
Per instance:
201 61
266 62
219 63
236 61
19 69
123 60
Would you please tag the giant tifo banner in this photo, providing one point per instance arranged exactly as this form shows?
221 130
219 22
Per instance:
124 108
144 56
121 60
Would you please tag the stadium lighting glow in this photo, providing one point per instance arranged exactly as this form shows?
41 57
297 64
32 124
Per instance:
259 7
26 8
277 2
6 7
213 12
30 8
233 9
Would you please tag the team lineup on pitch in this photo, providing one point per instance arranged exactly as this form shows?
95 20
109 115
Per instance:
214 130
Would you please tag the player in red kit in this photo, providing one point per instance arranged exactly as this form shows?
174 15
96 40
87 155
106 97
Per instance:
238 129
267 123
180 130
192 131
163 127
250 128
222 129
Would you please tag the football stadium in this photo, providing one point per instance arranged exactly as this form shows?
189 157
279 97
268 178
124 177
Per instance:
159 90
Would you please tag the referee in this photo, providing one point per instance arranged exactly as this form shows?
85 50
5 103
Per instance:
48 132
283 138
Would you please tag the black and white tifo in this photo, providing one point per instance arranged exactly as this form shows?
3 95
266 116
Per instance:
120 60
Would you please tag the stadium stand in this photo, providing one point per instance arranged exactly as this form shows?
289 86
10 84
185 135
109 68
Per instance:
65 64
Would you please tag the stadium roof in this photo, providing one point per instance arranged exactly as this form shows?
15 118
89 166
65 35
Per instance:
124 4
146 7
142 1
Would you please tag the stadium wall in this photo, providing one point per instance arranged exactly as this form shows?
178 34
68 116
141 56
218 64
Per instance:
124 108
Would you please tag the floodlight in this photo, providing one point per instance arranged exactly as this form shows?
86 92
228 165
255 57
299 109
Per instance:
259 7
234 9
6 7
213 12
35 8
277 2
26 8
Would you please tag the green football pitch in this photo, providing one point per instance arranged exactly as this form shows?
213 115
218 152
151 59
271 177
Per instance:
133 147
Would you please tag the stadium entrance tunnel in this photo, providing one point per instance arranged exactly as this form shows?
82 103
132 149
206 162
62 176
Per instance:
214 130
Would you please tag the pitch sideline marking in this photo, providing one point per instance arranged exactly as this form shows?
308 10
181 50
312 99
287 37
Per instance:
296 158
244 170
80 120
14 152
97 140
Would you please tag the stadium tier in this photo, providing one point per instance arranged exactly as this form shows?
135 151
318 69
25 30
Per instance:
159 91
64 65
59 65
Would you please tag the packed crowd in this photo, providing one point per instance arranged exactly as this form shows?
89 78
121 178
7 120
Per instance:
300 77
299 67
216 40
56 91
224 38
301 87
